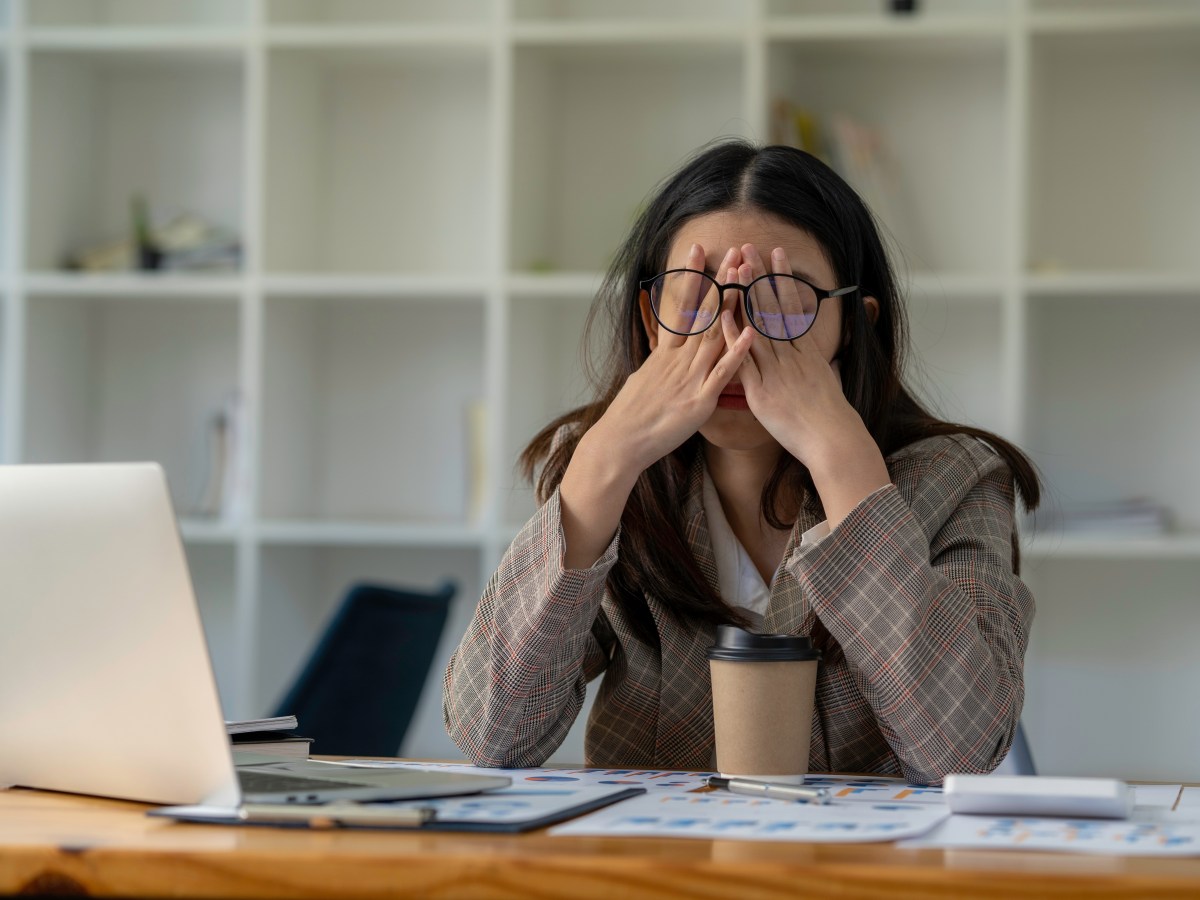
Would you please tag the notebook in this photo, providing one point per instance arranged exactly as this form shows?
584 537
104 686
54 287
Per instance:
106 686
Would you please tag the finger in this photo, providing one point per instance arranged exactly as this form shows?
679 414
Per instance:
765 304
787 290
678 299
705 302
712 344
747 369
731 257
764 308
797 299
728 365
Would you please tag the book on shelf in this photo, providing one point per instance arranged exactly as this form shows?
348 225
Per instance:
855 149
476 435
223 496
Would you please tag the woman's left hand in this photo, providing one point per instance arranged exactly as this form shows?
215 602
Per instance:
795 392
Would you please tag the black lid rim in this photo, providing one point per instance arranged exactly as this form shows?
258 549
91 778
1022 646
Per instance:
734 654
738 645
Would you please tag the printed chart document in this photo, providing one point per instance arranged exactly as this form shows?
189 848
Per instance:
861 809
1161 825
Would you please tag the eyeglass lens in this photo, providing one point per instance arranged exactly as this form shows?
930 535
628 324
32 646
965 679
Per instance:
781 306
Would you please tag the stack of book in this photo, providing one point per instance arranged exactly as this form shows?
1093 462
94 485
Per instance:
275 736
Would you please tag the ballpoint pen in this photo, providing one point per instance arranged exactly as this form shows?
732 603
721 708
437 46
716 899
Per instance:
338 814
773 790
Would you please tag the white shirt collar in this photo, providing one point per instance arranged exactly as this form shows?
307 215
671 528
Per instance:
738 580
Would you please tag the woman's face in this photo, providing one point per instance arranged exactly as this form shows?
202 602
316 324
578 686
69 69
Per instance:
732 425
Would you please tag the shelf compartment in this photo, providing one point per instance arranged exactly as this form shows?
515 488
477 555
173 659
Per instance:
160 42
365 409
595 128
373 12
449 36
136 13
282 533
105 127
124 380
213 570
1112 402
1114 635
1116 132
301 587
1118 285
942 200
546 378
955 362
337 122
432 288
134 284
1111 15
6 203
197 530
1055 545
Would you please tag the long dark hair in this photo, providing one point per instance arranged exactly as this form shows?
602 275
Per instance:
797 188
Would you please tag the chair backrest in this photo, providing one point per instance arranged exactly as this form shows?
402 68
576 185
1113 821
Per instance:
359 688
1020 758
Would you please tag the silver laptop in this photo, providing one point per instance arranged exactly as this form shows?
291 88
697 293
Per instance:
106 686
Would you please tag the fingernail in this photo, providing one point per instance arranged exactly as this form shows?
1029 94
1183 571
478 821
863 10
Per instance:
695 249
779 254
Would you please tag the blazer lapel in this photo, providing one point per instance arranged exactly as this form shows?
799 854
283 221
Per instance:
685 729
788 611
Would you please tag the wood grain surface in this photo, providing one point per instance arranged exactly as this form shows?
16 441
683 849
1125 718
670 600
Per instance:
66 845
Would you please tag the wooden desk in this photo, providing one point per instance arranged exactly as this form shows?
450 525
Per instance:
68 845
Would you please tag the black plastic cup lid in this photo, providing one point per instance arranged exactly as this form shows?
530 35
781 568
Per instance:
738 645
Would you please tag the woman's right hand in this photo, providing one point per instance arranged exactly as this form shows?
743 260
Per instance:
675 390
661 405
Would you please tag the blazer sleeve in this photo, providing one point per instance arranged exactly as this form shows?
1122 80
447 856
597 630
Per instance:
920 593
518 679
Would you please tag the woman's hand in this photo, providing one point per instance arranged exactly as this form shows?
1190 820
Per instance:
795 392
675 390
661 405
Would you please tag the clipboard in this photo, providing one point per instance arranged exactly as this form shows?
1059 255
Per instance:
506 811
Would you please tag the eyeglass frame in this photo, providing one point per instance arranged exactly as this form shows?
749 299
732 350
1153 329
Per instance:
821 294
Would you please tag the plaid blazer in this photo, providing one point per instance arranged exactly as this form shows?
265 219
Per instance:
912 600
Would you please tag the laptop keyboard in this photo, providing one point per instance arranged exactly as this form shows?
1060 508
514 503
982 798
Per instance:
257 782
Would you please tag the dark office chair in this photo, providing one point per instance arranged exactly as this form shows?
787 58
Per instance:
357 693
1020 757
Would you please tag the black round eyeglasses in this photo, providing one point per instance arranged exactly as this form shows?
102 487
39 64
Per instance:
779 307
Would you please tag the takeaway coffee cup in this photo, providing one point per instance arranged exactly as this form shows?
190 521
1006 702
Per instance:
763 687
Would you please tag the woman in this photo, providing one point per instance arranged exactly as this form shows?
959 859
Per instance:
753 458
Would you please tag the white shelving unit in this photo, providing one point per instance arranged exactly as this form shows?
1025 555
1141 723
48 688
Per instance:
428 194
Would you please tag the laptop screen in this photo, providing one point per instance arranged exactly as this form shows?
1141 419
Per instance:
105 681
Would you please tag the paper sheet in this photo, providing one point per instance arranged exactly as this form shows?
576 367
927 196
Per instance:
1189 803
719 814
864 809
1158 827
1142 835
